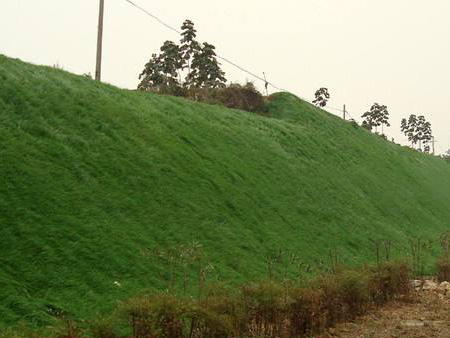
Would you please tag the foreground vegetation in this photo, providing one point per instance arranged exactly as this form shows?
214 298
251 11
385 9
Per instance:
95 180
275 307
258 309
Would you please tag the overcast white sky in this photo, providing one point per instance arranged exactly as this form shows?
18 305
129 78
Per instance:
394 52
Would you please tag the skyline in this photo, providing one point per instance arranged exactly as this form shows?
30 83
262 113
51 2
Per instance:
395 54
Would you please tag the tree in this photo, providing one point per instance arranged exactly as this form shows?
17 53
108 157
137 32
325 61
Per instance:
162 70
152 75
418 131
378 115
205 69
322 96
189 46
408 128
165 71
171 63
424 135
383 117
368 122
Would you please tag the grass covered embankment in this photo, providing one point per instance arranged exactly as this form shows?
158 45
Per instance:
94 178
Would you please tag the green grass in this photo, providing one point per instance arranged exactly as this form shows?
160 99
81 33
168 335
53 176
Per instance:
94 177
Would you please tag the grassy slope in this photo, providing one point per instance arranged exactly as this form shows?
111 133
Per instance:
92 177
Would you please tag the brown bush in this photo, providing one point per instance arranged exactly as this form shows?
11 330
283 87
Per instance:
305 311
265 308
259 309
219 314
388 281
245 97
206 322
235 96
353 293
443 269
330 300
268 308
104 329
160 315
168 90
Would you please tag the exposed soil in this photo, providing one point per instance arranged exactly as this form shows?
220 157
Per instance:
426 315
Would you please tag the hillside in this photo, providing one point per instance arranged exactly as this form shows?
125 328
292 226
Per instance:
94 178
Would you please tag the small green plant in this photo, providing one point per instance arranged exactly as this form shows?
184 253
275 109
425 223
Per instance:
382 247
273 259
387 245
377 248
170 258
335 261
444 240
418 248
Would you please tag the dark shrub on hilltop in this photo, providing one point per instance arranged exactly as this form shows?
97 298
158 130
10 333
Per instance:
245 97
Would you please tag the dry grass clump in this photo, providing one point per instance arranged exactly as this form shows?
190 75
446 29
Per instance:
258 309
244 97
443 269
268 308
389 280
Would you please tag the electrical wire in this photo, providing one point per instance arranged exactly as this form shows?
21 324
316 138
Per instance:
153 16
218 56
162 22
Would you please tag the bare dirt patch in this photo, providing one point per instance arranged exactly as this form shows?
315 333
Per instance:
426 315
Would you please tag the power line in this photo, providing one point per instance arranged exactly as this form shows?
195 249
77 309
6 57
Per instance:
250 73
162 22
218 56
154 17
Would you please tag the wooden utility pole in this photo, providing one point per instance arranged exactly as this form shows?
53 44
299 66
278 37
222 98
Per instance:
433 142
344 111
266 84
98 68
